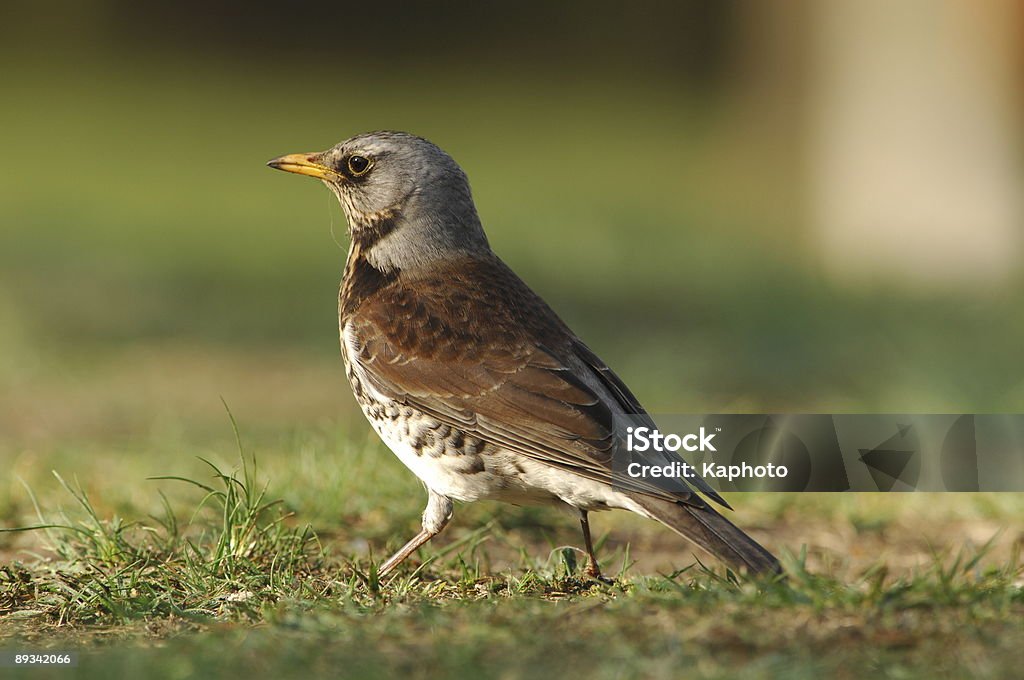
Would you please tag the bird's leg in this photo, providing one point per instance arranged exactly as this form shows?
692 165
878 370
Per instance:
593 569
435 517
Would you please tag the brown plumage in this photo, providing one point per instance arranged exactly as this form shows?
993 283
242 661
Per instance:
465 372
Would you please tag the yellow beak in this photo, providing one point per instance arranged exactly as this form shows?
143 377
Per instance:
304 164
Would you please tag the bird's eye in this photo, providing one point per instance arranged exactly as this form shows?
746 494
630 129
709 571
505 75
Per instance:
357 165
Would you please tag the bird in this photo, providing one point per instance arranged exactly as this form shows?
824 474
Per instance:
466 374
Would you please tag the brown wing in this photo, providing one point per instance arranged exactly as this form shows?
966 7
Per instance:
474 347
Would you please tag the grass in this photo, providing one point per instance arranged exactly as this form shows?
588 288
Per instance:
228 581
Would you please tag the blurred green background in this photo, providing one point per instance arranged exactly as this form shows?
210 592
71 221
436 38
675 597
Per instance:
655 171
741 206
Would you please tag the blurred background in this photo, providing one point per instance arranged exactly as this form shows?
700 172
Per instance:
741 206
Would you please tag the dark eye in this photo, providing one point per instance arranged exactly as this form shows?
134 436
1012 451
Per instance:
357 165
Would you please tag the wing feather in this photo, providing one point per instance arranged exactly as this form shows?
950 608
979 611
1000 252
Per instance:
511 373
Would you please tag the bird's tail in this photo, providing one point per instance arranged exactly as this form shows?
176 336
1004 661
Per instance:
708 529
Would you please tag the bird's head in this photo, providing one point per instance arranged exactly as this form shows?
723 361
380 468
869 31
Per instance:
406 200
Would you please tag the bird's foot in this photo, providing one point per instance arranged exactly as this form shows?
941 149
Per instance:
594 572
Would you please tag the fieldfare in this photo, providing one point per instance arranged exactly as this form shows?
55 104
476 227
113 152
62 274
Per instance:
468 375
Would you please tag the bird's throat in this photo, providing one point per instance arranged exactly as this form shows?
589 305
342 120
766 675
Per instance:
362 280
369 230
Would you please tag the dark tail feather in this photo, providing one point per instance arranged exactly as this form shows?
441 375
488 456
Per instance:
714 533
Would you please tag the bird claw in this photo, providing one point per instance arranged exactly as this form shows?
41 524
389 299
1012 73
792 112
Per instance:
595 575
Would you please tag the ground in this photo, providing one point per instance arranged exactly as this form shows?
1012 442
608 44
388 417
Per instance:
273 575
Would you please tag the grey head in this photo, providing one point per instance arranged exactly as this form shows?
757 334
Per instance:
407 202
